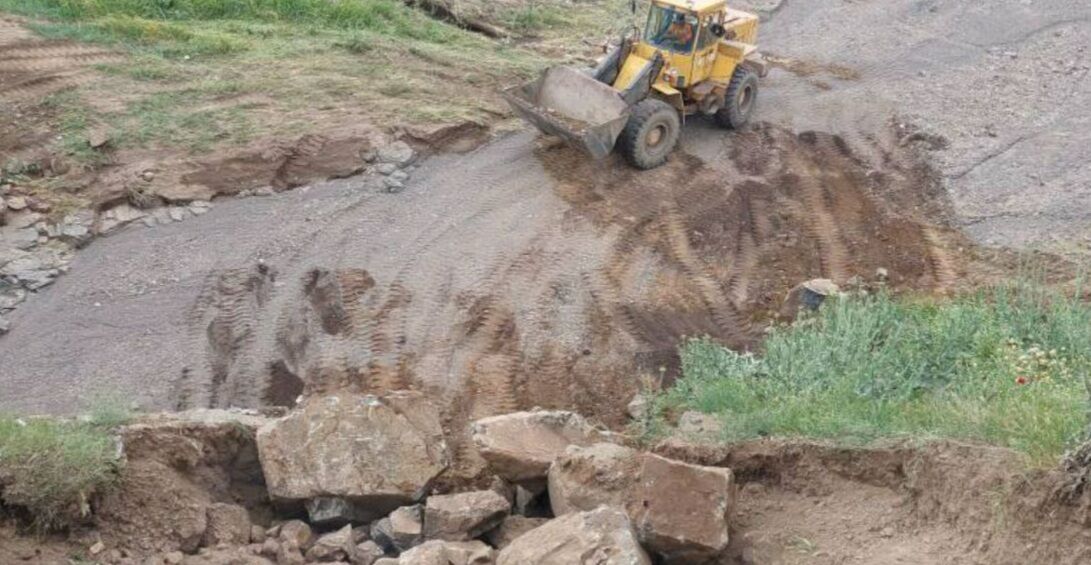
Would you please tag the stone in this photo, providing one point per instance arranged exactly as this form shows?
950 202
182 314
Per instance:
439 552
16 203
257 534
400 176
12 297
75 234
367 553
398 153
680 511
700 426
22 238
227 523
295 533
520 447
176 213
334 511
334 546
23 219
118 216
265 191
288 555
393 185
386 168
511 528
39 205
174 557
603 536
807 296
637 407
401 530
270 547
463 516
585 478
377 452
98 138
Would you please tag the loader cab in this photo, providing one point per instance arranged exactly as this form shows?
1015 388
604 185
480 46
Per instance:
686 33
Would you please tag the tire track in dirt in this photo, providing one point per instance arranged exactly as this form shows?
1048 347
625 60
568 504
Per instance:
580 297
32 68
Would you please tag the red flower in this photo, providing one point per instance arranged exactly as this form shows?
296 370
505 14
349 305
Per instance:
1020 380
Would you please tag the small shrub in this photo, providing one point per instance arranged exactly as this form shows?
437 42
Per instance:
52 468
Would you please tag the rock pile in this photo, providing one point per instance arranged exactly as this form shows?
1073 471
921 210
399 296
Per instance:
362 467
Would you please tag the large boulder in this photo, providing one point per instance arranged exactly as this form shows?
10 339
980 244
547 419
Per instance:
520 447
680 511
463 516
376 452
603 536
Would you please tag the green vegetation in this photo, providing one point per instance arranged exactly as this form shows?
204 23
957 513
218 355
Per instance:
52 467
1008 366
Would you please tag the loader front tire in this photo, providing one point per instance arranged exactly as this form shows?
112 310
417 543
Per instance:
651 133
740 99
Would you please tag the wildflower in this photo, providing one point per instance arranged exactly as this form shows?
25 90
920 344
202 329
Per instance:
1020 380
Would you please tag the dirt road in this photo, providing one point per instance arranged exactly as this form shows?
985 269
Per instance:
515 276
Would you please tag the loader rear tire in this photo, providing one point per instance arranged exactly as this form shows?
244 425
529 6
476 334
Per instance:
651 133
740 99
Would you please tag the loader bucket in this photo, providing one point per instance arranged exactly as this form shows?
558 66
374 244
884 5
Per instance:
573 106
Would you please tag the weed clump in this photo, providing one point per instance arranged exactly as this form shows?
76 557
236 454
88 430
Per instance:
1007 366
50 469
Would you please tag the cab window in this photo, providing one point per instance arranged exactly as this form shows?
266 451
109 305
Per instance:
706 38
671 29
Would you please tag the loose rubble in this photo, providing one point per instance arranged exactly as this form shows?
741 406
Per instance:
197 488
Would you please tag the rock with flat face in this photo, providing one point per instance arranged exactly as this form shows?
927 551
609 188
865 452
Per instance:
333 547
520 447
603 536
680 511
401 530
377 452
439 552
463 516
585 478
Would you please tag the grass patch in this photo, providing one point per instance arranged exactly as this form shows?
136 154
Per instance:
51 468
1008 366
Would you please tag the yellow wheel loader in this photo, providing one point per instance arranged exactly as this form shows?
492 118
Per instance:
693 56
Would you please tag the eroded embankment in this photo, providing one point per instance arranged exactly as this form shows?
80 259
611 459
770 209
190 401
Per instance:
583 298
942 502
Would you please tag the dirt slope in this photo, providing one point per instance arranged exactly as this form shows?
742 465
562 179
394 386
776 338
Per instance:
507 278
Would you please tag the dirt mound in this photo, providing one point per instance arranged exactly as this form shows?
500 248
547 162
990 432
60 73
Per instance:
612 280
945 502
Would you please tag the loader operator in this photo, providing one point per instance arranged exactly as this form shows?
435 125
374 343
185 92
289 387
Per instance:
681 32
